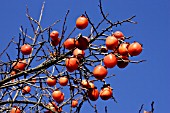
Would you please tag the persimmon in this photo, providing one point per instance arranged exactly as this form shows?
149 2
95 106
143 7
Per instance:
106 93
93 94
100 72
69 43
111 42
74 103
33 80
121 63
82 22
20 65
51 81
118 35
82 42
110 60
123 49
55 42
15 110
61 99
57 95
54 35
26 49
71 64
26 90
87 84
63 81
54 107
12 74
78 53
135 49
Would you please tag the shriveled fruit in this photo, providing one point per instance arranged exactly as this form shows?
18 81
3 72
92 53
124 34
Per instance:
119 35
71 64
51 81
26 90
82 42
74 103
111 42
63 81
99 72
78 53
110 60
106 93
20 65
135 49
15 110
103 49
54 35
93 94
26 49
122 61
82 22
123 49
69 43
87 84
57 95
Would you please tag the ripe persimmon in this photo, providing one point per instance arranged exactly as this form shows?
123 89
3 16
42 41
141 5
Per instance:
111 42
57 95
20 65
121 63
99 72
26 90
123 49
74 103
118 35
82 22
54 35
93 94
15 110
135 49
82 42
110 60
69 43
63 81
61 99
26 49
106 93
78 53
71 64
51 81
87 84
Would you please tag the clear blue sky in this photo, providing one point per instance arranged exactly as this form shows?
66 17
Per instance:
137 84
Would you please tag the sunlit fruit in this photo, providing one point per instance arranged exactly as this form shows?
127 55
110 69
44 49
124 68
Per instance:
135 49
110 60
119 35
54 35
55 42
78 53
26 49
71 64
123 49
57 95
111 42
87 84
74 103
82 22
51 81
63 81
82 42
93 94
123 61
61 99
99 72
15 110
69 43
20 65
106 93
26 90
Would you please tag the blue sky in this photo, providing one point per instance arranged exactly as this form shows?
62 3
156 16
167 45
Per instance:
137 84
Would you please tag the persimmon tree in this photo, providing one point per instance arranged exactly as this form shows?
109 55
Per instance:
51 62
